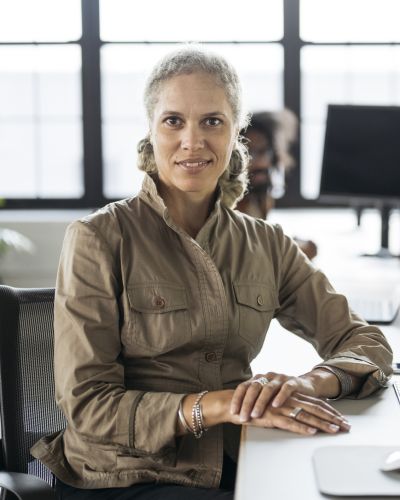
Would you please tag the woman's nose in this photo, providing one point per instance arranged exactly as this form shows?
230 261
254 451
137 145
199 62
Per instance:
192 139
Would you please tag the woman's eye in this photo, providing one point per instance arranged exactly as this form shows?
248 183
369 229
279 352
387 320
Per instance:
173 121
213 122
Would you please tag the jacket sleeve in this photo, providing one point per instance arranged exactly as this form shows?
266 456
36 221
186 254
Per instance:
89 372
312 309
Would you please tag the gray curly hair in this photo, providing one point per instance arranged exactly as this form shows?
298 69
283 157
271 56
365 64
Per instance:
185 61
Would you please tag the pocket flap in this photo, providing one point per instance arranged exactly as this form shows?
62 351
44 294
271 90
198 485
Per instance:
157 298
257 296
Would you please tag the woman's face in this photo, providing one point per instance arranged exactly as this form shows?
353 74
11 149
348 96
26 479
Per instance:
193 133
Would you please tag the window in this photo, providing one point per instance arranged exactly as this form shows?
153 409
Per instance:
40 20
210 20
350 21
41 152
333 72
72 75
124 68
40 122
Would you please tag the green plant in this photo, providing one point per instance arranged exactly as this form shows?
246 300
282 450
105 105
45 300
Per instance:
10 239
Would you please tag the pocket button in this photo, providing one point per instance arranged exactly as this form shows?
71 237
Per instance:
211 356
159 302
260 300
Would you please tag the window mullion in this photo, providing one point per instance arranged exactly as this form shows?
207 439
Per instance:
91 103
291 81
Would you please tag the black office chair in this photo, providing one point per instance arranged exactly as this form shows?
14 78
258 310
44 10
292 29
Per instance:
28 409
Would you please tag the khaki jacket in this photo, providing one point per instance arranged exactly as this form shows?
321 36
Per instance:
144 314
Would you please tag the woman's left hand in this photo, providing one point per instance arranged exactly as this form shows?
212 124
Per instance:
302 414
251 397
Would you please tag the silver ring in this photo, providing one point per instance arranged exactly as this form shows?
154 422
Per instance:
262 381
294 413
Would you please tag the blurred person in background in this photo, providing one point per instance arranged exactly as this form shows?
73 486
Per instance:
270 136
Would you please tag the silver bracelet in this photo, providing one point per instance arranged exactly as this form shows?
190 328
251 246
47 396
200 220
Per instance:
182 418
197 417
345 380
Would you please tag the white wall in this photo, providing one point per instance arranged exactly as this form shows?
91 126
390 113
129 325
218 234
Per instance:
46 230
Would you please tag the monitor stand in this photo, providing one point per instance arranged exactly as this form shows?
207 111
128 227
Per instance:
384 252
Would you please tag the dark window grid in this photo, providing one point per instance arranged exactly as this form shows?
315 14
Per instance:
91 44
91 118
292 100
292 45
36 119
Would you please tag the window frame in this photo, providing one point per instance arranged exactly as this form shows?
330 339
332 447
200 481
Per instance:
91 45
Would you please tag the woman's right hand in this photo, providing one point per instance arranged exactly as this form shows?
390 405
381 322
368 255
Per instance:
313 414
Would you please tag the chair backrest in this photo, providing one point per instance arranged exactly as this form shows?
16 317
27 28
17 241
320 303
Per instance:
28 409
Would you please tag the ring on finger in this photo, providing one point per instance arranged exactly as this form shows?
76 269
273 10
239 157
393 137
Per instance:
262 381
295 412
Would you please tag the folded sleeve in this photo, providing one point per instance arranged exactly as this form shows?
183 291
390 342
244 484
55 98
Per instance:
89 371
313 310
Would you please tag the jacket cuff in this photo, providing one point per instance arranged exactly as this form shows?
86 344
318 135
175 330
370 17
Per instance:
373 377
154 422
345 380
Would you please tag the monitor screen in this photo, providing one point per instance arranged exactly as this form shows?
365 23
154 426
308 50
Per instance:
361 154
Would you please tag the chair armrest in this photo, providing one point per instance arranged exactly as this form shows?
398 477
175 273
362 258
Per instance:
26 486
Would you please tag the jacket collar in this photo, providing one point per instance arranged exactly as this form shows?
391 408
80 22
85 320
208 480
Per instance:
149 194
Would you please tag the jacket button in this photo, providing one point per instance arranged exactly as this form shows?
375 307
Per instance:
260 300
211 356
159 302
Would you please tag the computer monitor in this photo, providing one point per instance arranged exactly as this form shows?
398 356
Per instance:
361 160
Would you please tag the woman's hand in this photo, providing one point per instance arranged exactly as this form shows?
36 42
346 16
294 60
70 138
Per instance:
301 414
250 398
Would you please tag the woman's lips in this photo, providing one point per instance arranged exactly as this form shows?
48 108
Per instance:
193 166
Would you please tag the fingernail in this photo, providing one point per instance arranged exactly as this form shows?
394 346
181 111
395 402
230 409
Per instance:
311 430
275 403
242 418
233 410
346 426
255 414
334 427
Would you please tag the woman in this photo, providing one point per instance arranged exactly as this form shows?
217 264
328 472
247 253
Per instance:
269 136
163 300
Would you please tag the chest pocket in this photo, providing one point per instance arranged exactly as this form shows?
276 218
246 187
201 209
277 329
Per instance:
256 304
159 316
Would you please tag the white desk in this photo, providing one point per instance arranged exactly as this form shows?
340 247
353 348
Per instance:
277 465
274 464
